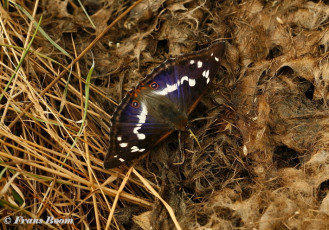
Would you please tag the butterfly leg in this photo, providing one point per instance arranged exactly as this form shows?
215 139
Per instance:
181 149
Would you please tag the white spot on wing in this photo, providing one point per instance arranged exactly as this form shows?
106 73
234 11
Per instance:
142 115
184 78
142 119
199 64
123 145
119 138
191 82
115 156
140 136
212 54
174 87
168 89
122 160
136 149
206 75
192 62
171 88
216 58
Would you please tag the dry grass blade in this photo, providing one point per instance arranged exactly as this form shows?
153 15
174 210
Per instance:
47 159
86 13
152 190
123 184
263 125
43 92
41 30
21 61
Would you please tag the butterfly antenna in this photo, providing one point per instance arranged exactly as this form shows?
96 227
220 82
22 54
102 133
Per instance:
194 137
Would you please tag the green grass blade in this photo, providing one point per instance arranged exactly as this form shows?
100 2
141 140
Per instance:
87 87
41 30
84 10
21 61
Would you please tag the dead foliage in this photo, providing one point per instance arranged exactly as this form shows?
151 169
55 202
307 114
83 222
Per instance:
263 127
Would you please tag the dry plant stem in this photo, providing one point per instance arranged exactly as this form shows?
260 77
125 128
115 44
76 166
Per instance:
17 61
5 188
90 171
63 173
123 184
43 92
170 210
91 174
195 138
31 24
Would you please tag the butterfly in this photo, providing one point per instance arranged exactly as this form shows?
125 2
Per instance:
160 104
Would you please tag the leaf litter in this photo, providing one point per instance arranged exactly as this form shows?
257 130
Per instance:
263 126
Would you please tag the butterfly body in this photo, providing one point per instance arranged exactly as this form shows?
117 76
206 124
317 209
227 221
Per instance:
163 109
160 104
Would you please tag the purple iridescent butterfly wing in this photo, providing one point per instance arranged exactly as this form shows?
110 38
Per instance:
132 133
143 118
185 79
